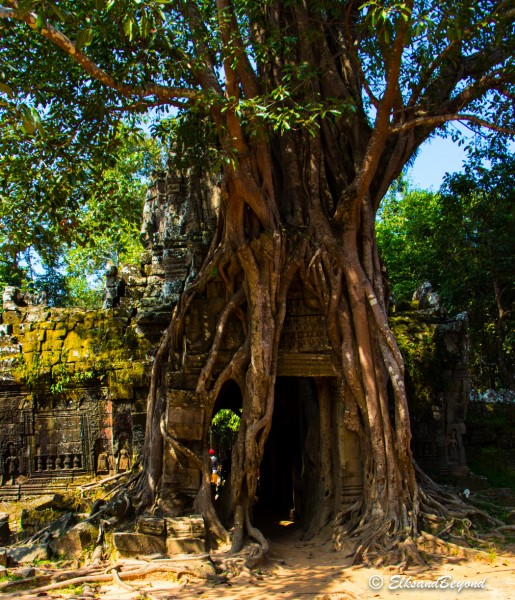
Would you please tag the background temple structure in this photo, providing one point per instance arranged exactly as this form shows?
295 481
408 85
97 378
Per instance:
74 382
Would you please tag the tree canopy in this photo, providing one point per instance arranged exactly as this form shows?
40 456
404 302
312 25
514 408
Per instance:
69 72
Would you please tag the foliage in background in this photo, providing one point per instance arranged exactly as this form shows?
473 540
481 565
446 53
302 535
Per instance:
224 427
462 240
61 221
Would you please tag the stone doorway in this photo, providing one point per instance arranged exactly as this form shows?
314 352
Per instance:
290 469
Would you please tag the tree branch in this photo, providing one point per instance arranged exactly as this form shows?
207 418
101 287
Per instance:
164 93
381 127
484 53
434 121
232 40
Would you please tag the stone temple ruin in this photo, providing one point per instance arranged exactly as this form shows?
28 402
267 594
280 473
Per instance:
74 382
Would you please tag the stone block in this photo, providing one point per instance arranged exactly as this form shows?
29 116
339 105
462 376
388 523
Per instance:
185 479
126 303
12 317
135 292
51 357
146 257
72 543
56 334
151 525
155 279
3 558
150 317
186 422
22 328
5 532
121 391
26 573
52 346
72 342
185 545
30 347
186 527
37 315
6 329
37 336
54 502
27 554
138 544
127 271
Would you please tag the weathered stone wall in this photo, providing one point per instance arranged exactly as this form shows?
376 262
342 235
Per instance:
435 351
73 383
73 387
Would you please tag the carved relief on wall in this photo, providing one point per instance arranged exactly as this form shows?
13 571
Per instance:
9 461
60 441
122 454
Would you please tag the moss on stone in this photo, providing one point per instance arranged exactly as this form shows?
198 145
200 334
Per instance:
418 344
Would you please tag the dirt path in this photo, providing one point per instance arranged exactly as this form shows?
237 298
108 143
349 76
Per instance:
306 571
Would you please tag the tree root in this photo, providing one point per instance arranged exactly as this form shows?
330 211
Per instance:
38 579
436 547
130 588
381 540
97 575
249 557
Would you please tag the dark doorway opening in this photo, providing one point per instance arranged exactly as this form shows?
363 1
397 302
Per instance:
289 474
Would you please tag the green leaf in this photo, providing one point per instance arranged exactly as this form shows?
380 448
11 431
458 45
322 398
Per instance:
84 38
60 14
145 26
25 7
128 26
40 21
29 126
6 90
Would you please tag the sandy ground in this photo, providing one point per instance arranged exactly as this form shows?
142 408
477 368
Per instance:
306 571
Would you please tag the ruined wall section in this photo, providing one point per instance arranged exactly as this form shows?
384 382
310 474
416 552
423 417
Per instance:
179 219
73 386
434 346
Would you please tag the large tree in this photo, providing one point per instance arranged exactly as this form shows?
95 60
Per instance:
316 107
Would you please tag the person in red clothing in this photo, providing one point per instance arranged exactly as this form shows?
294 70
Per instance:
215 470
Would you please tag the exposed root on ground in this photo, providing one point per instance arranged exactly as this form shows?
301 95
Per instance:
380 540
120 573
248 558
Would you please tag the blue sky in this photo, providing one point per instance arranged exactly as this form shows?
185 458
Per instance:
436 158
